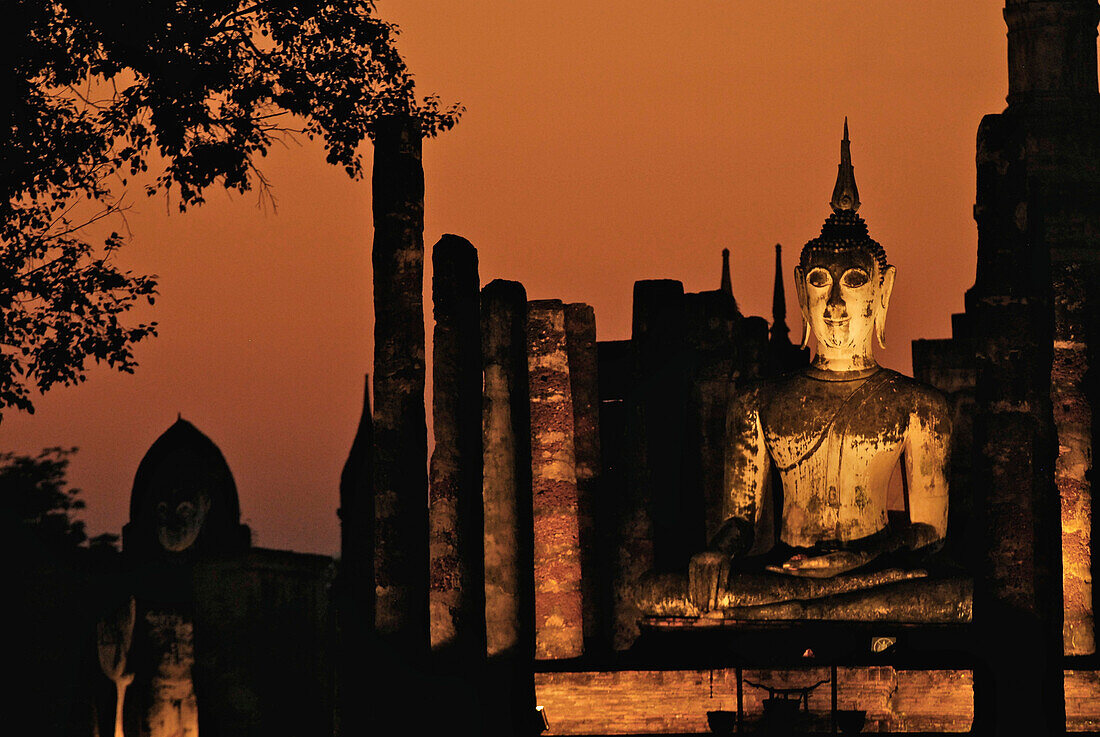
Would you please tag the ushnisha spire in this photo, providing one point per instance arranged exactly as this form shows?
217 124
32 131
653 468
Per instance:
844 229
845 194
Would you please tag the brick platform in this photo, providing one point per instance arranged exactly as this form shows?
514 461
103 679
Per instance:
676 702
1082 701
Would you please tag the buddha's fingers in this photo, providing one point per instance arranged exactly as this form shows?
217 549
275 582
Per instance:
723 580
696 575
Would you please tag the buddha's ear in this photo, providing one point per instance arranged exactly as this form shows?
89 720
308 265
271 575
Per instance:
803 303
884 304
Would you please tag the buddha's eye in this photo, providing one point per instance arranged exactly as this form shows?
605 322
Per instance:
854 278
819 278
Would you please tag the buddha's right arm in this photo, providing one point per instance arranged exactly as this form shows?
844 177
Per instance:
745 482
746 474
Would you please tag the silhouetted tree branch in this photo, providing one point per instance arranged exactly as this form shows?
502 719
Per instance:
197 90
35 498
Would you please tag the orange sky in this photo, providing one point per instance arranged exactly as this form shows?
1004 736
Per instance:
603 142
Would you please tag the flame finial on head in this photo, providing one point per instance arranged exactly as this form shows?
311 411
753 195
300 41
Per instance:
845 194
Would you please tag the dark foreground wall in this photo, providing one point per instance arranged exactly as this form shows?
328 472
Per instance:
264 626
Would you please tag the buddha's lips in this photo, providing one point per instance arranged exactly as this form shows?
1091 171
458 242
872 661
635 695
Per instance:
837 322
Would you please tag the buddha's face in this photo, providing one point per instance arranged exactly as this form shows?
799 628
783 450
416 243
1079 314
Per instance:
843 298
180 515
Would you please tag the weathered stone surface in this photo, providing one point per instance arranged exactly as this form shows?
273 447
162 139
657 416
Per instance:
558 618
506 465
400 433
1051 49
580 339
456 545
506 488
1073 418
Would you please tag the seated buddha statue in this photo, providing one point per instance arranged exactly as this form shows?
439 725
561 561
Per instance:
834 432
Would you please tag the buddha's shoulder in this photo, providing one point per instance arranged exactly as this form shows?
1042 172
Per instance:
923 402
802 384
918 393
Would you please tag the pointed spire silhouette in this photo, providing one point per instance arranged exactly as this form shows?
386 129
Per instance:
779 327
845 194
727 283
356 490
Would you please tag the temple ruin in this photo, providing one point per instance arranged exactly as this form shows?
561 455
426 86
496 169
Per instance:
492 588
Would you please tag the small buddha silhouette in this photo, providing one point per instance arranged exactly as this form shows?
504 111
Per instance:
834 431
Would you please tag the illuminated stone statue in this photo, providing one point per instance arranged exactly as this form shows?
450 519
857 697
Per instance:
835 432
183 509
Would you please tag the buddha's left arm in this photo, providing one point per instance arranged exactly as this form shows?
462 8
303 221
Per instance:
926 457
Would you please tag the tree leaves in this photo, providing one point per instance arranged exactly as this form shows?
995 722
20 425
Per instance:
33 496
105 87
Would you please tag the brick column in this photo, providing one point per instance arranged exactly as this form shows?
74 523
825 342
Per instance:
580 342
558 628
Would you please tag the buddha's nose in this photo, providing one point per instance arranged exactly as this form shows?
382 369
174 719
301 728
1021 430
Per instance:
835 305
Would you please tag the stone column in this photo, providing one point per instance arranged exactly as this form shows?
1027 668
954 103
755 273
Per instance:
710 329
615 504
558 627
509 700
658 333
648 513
1075 297
580 343
1054 106
1016 599
400 434
456 549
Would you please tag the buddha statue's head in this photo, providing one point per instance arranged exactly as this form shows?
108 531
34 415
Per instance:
843 280
184 499
181 512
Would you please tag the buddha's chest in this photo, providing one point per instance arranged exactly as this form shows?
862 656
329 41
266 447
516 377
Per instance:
829 428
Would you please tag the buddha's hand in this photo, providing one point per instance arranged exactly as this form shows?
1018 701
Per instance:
707 576
824 566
